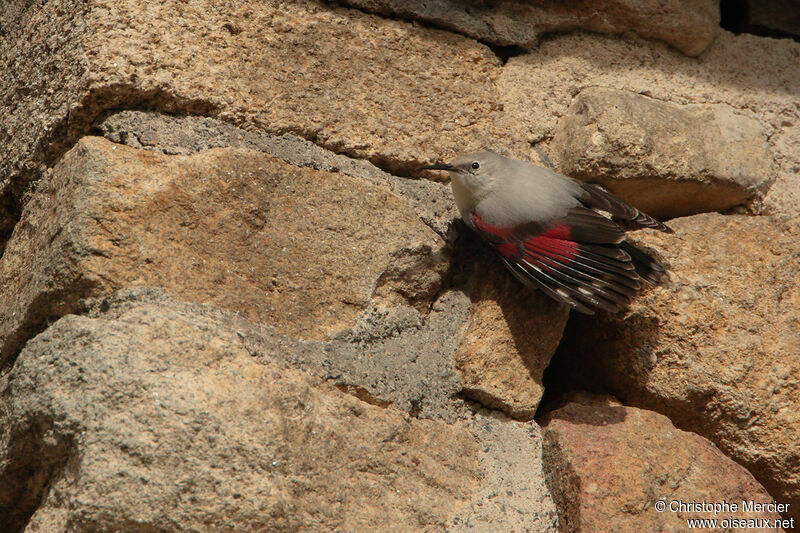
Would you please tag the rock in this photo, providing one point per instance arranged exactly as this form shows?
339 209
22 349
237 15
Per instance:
304 250
169 134
715 348
688 26
753 75
609 466
507 341
151 414
388 91
665 159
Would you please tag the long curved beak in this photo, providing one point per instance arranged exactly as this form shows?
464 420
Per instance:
438 166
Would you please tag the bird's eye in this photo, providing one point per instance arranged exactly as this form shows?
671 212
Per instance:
476 165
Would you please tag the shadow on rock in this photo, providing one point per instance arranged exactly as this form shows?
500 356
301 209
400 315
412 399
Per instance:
510 336
578 366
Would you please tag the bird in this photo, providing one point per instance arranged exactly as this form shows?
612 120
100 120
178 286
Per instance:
554 233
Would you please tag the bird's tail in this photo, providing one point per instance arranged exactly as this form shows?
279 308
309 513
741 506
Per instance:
647 267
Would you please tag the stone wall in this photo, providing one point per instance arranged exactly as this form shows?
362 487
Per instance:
230 305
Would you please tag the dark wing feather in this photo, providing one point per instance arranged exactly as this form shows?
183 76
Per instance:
588 226
597 197
646 266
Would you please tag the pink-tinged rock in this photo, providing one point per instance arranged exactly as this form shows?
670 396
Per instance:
715 347
611 468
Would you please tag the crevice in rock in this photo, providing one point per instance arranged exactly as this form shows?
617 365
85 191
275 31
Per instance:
558 376
562 482
41 312
504 53
10 205
36 452
735 17
363 394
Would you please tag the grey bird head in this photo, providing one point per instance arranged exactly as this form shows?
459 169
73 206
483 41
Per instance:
472 164
473 175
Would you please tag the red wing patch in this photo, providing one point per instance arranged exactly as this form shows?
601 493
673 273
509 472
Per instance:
500 239
585 276
559 231
488 229
546 246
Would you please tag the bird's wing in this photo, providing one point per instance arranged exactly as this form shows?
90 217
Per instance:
597 197
576 260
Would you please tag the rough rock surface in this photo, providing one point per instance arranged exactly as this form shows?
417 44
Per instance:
609 465
148 414
666 159
687 25
350 81
716 347
301 249
154 417
507 341
755 76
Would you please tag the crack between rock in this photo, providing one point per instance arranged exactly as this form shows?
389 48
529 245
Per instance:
643 92
502 52
70 130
